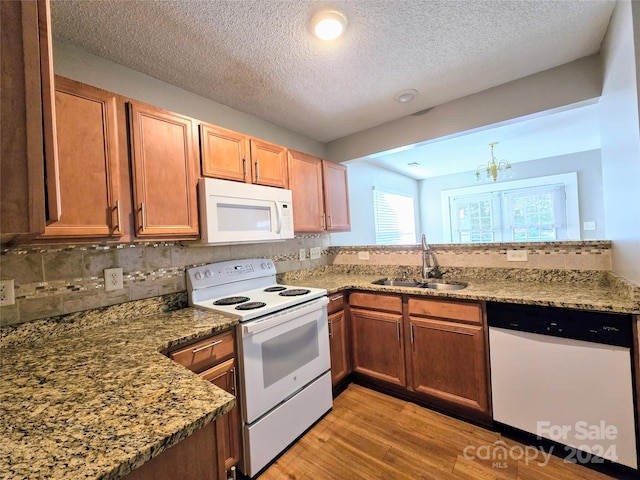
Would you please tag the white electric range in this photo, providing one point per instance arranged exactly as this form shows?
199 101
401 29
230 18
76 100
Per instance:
283 351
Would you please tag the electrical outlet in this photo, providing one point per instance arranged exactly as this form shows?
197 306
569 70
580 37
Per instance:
113 279
303 254
517 256
315 252
589 226
363 255
7 294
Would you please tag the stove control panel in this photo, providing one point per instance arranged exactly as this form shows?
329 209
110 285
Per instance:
231 271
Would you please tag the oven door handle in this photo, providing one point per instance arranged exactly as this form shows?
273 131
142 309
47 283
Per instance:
283 317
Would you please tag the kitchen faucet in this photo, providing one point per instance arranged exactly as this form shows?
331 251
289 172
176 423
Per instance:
430 267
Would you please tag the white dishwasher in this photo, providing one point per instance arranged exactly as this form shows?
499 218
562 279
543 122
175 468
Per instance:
566 376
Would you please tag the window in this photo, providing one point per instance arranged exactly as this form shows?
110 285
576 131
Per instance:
535 210
394 218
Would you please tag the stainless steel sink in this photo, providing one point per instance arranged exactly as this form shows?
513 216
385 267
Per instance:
416 284
444 286
399 283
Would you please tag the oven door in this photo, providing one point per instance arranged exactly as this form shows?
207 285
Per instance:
280 354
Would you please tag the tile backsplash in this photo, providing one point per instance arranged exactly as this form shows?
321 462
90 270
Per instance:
62 279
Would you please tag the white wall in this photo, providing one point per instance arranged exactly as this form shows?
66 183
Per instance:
82 66
620 138
363 177
586 164
564 85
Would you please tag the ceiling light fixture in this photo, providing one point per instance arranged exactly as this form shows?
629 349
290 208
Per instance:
406 95
328 24
493 167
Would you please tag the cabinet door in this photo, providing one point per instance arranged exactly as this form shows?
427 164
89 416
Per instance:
338 345
336 197
229 426
305 182
164 162
269 164
224 154
87 162
377 345
448 362
22 191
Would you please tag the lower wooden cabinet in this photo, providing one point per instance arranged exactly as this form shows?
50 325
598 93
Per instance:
193 458
448 362
377 339
338 340
431 350
229 426
213 358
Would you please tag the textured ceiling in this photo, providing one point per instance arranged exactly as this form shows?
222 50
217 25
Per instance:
258 56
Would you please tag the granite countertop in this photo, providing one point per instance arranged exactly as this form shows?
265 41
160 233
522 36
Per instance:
575 295
98 401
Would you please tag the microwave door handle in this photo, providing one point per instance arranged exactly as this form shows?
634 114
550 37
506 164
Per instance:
278 219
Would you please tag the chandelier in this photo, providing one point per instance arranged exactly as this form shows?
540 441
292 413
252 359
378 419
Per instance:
494 167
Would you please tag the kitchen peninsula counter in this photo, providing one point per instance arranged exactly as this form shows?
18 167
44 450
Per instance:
604 294
96 401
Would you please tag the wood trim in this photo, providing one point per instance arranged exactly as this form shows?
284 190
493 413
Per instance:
635 371
50 136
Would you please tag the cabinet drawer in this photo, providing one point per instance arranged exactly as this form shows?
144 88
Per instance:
198 356
336 303
467 312
374 301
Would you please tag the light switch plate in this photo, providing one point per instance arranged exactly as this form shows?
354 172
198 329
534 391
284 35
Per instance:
363 255
517 256
7 294
589 226
113 279
303 254
315 252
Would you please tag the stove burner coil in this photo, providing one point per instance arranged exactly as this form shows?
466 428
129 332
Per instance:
231 300
277 288
250 306
294 292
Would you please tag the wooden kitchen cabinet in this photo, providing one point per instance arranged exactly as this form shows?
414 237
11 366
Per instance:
87 143
234 156
26 112
320 194
338 341
447 354
213 358
193 458
377 338
164 161
229 426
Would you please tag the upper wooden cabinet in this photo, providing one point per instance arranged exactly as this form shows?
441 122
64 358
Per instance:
164 160
231 155
25 99
87 152
320 194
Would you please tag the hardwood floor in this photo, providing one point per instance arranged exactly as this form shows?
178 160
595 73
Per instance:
369 435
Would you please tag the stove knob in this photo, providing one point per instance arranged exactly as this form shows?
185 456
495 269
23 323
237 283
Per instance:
208 273
265 265
198 275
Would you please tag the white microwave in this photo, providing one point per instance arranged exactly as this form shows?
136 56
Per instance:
235 212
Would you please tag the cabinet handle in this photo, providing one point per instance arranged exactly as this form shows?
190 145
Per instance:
411 330
337 297
118 218
233 380
244 168
330 223
330 329
144 217
324 223
257 170
208 345
398 330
